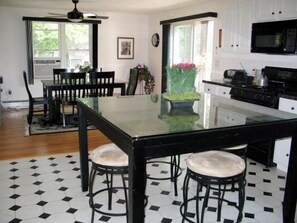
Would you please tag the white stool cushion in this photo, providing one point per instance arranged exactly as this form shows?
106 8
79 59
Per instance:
216 164
109 155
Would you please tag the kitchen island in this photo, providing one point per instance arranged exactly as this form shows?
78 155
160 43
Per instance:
137 125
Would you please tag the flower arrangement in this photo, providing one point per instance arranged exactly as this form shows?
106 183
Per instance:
145 75
86 68
181 82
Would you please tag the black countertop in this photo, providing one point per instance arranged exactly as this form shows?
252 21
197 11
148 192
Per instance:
222 82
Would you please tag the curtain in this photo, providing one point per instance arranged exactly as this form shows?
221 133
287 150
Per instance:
29 52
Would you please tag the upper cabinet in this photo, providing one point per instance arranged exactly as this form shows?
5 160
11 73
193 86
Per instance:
269 10
237 24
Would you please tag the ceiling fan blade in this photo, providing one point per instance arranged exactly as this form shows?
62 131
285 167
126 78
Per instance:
94 16
56 14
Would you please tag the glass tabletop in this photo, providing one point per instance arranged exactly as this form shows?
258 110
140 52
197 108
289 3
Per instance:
149 115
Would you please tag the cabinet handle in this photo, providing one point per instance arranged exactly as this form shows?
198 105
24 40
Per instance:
224 92
272 13
292 108
232 45
287 154
237 45
208 89
280 12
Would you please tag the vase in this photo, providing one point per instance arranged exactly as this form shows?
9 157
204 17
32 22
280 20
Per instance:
182 103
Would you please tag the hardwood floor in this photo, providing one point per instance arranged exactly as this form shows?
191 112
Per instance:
14 144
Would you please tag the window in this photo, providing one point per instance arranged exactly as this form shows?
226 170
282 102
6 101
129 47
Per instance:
46 40
67 42
192 42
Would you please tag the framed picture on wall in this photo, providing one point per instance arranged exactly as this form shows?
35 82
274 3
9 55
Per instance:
125 48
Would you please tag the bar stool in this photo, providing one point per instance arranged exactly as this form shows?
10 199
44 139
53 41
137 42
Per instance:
109 160
214 170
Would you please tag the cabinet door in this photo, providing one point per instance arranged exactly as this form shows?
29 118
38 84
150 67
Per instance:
287 9
283 146
237 23
245 18
265 10
229 19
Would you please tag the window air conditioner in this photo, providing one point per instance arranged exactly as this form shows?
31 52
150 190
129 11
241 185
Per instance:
43 68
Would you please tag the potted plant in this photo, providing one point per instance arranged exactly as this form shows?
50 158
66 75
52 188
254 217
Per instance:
181 83
145 75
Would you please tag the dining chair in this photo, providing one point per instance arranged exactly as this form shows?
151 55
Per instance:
102 83
57 73
217 171
132 84
34 101
72 87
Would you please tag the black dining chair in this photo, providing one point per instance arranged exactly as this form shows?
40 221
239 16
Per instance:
102 83
72 87
132 84
57 73
34 101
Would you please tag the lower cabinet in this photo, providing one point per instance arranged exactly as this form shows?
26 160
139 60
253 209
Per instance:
283 146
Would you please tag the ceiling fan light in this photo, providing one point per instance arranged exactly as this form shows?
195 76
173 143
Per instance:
75 16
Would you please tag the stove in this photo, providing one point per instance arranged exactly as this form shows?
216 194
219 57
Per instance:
281 81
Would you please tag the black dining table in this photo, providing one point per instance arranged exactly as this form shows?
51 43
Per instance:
146 126
50 86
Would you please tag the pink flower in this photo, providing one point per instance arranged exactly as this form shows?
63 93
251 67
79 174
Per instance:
184 66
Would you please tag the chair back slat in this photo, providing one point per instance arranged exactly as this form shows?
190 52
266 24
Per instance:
102 83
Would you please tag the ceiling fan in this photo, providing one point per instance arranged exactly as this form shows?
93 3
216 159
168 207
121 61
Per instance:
77 16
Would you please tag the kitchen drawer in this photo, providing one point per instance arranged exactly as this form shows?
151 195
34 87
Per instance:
287 105
223 91
210 88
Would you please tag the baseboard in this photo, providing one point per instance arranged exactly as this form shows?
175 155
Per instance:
15 104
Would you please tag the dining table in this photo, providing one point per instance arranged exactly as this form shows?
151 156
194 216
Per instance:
50 86
149 126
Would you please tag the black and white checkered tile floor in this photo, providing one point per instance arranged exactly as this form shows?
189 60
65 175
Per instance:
47 189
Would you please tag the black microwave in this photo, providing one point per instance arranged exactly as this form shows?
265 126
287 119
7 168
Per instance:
274 37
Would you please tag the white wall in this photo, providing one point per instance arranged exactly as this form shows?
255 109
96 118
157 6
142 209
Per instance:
141 27
222 61
13 47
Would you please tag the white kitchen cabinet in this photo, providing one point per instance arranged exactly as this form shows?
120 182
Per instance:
269 10
237 24
282 146
217 90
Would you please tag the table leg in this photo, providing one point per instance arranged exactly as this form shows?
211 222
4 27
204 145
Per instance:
137 170
83 150
123 89
290 198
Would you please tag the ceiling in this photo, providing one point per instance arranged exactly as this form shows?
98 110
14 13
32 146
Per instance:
128 6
